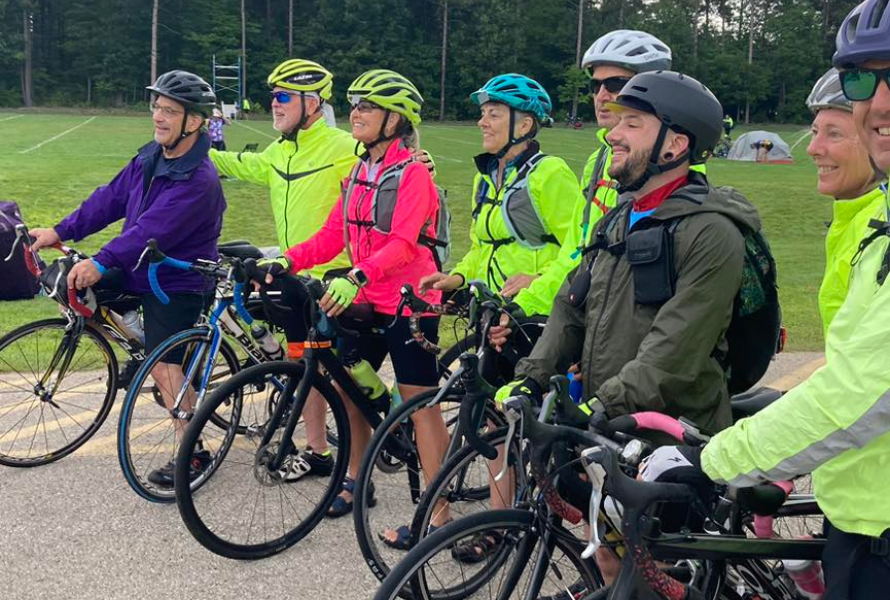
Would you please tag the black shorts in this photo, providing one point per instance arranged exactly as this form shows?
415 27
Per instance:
220 145
412 364
165 320
856 567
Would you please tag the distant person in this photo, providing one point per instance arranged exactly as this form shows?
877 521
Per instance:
245 109
215 126
762 149
728 126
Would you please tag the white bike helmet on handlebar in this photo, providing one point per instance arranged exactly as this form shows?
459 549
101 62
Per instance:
637 51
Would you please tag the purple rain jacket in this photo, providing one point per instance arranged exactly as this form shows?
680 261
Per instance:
182 209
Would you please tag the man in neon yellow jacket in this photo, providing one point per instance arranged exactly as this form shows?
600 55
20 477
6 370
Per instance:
303 170
837 423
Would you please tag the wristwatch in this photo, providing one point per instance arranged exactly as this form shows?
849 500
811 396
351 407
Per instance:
358 277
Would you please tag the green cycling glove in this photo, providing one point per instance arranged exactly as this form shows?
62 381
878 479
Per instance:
343 290
527 388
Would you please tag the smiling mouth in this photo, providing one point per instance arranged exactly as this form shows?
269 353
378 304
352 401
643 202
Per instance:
883 131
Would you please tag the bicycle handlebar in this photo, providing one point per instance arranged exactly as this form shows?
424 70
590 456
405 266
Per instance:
418 307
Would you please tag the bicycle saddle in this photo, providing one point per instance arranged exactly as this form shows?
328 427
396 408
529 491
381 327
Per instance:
750 402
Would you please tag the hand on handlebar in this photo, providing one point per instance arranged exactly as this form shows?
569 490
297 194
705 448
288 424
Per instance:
498 334
43 238
340 295
83 275
266 270
441 281
528 389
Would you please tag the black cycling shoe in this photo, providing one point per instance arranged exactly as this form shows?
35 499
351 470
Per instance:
163 477
300 464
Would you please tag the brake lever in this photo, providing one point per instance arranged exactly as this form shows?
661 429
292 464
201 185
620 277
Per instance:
597 475
514 415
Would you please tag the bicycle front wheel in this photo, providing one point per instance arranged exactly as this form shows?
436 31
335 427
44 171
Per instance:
56 389
533 558
248 509
174 379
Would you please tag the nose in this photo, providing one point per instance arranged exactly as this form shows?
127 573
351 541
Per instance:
814 148
604 96
881 100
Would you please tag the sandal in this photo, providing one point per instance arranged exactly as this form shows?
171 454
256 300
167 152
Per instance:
341 506
478 548
403 536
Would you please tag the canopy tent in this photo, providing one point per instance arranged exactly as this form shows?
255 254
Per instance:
747 146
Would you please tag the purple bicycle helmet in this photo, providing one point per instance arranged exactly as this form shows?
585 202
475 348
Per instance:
864 35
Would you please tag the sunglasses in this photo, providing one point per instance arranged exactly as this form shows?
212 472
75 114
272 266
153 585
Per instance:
285 97
364 106
613 84
861 84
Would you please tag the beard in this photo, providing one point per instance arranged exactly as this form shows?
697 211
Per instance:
632 169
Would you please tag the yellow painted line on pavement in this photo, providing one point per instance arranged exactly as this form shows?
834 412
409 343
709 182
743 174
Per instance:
797 376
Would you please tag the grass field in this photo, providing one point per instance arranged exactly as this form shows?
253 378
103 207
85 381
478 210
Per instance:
50 163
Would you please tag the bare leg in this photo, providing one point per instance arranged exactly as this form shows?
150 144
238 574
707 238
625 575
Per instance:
169 379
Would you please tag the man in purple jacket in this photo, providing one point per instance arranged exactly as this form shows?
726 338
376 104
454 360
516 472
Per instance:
170 192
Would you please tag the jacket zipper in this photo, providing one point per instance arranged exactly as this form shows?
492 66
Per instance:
286 201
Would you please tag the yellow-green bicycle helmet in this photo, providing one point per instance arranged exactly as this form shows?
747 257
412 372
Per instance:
302 75
389 90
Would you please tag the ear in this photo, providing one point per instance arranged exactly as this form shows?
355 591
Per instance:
193 122
676 144
392 123
523 125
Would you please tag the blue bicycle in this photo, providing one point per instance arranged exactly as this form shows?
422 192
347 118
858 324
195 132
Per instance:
175 378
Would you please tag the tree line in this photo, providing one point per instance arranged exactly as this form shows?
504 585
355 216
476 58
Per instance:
760 57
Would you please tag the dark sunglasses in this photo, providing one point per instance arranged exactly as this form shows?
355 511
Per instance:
364 106
613 84
861 84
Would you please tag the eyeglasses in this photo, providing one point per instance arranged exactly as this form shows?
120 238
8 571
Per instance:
861 84
283 97
165 110
365 106
613 84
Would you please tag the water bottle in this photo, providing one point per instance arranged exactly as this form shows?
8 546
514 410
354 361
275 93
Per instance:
132 324
807 577
576 387
268 343
369 381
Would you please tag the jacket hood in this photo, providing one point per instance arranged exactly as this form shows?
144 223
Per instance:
698 196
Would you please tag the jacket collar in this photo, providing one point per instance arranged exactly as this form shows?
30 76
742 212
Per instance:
305 136
487 162
182 167
397 152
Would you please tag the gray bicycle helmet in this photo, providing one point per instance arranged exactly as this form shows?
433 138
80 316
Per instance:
682 104
188 89
637 51
827 93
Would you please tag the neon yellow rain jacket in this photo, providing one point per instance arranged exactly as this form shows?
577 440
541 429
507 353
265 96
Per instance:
304 181
836 423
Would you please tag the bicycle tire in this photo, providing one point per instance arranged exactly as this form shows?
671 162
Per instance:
147 437
519 527
82 410
218 504
474 497
391 490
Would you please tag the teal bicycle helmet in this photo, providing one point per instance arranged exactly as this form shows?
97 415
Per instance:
517 92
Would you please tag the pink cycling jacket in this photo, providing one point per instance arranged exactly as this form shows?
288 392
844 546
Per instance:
392 259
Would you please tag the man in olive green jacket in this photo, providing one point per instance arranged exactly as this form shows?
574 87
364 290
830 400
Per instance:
648 334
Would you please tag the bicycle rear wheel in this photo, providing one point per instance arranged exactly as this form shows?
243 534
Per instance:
535 559
148 435
247 510
56 389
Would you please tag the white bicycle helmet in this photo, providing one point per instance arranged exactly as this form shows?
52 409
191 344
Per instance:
630 49
827 93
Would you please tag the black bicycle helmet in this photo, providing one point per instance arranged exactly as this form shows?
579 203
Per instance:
682 104
188 89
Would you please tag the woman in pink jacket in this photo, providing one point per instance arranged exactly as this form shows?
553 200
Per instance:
391 206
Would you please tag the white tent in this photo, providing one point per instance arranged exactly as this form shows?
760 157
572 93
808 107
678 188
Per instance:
746 146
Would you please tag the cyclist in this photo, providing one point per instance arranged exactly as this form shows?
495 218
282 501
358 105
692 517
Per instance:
611 61
522 199
835 423
845 174
385 253
303 170
170 180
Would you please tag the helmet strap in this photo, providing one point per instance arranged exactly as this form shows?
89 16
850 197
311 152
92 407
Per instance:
182 134
292 134
381 136
514 140
653 168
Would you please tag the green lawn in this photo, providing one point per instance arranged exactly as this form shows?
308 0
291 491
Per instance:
51 180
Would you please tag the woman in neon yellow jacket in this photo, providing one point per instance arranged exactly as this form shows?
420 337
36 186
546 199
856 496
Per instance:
522 199
846 175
